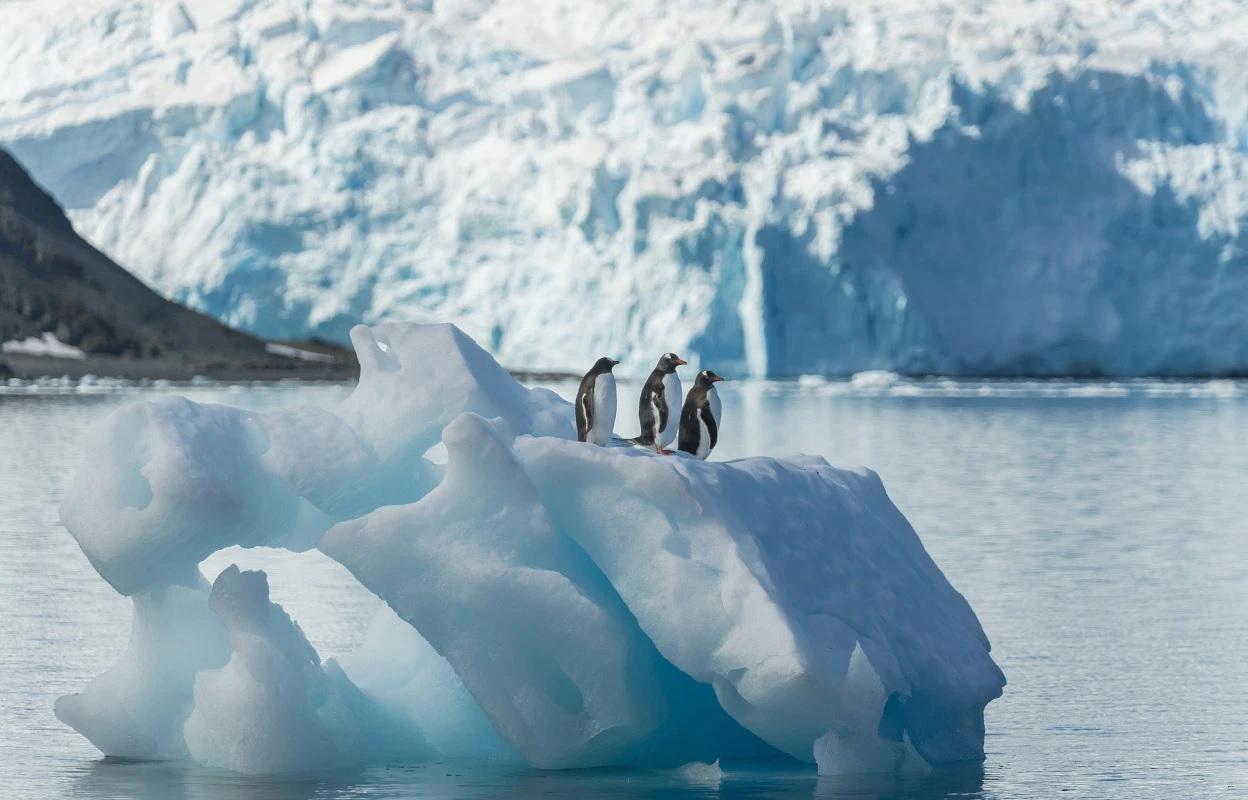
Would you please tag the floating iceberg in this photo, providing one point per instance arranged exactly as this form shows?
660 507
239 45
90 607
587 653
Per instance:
552 601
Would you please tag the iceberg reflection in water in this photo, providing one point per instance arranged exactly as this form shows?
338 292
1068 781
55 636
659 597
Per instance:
110 779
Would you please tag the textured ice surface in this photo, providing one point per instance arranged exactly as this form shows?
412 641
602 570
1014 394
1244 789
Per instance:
772 186
271 708
780 570
581 684
168 482
402 673
566 604
137 708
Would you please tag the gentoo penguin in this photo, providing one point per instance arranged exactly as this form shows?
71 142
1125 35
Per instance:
699 419
656 409
595 403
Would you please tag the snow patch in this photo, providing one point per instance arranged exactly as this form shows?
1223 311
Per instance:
286 351
47 346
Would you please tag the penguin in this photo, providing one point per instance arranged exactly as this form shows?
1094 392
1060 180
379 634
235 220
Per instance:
659 421
595 403
699 419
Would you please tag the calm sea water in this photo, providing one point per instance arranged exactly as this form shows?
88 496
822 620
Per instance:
1099 530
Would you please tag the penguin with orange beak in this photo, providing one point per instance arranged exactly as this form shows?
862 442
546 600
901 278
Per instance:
699 419
656 408
595 403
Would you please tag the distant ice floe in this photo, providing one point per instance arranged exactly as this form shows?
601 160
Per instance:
46 345
550 601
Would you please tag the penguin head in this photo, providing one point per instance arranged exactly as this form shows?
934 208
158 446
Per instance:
669 362
603 365
707 377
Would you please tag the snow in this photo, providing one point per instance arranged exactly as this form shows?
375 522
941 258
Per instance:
553 602
772 188
46 345
286 351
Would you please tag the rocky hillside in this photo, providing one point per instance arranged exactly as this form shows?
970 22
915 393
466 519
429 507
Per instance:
56 287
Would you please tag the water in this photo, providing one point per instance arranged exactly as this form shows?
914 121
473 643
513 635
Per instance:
1099 530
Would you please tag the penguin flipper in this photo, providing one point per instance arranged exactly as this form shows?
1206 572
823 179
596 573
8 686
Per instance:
585 413
712 428
648 413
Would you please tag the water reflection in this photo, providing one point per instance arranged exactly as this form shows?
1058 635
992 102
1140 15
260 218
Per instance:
107 779
1100 537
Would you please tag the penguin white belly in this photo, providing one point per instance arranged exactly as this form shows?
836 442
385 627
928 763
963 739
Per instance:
704 433
604 410
712 399
671 393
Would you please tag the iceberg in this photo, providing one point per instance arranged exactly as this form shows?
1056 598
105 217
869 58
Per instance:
772 187
137 708
271 708
549 601
580 684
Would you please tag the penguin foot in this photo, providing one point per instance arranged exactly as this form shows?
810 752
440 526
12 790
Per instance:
663 451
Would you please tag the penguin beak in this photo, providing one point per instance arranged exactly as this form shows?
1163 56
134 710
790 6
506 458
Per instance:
614 363
680 362
717 379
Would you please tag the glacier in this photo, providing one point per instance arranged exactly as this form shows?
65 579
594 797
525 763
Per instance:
772 187
548 602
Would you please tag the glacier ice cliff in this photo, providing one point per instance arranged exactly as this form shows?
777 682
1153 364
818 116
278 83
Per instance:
774 187
550 602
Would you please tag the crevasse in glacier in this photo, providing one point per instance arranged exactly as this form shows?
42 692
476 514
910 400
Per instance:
549 601
775 186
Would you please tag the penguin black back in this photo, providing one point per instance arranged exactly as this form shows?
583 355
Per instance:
699 417
653 406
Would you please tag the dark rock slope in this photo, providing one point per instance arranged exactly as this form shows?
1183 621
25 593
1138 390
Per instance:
51 280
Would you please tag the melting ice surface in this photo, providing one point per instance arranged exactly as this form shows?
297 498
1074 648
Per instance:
549 601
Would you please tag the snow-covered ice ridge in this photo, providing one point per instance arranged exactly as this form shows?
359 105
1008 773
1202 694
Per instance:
548 600
776 188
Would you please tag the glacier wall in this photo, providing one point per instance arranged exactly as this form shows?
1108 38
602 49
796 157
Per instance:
773 187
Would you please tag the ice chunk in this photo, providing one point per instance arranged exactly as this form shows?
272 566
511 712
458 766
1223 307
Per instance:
402 673
476 567
576 606
169 482
414 379
763 576
701 772
866 737
542 642
271 708
137 708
